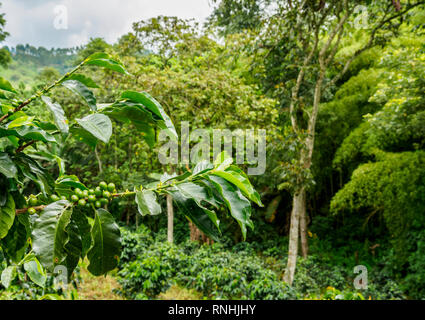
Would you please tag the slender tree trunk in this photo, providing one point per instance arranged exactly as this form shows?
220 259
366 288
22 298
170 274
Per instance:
294 231
170 213
194 232
99 162
115 152
129 155
298 226
303 224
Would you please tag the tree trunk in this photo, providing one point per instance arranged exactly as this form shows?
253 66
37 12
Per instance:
303 225
194 232
170 212
127 220
294 231
198 235
99 162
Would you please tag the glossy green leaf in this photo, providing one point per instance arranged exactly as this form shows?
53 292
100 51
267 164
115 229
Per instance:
80 219
84 136
7 216
200 195
80 89
88 82
238 205
21 121
127 111
14 140
106 248
6 86
61 165
99 125
147 203
104 60
16 242
236 176
154 106
196 214
58 114
32 170
49 235
28 133
36 272
7 167
73 247
8 275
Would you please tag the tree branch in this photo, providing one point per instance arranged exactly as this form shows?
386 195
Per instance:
21 148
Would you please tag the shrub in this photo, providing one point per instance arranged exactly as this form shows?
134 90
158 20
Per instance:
211 270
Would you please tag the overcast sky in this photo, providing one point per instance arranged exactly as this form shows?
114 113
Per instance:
68 23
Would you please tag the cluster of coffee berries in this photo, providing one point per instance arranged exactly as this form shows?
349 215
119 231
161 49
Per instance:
97 197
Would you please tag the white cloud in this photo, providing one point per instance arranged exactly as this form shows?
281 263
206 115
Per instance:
31 21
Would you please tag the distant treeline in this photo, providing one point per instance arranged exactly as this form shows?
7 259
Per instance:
60 58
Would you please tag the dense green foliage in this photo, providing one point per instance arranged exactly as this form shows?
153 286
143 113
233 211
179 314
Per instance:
71 223
250 270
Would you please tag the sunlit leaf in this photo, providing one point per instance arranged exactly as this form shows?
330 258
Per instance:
102 59
99 125
7 216
80 89
147 203
6 86
7 166
58 114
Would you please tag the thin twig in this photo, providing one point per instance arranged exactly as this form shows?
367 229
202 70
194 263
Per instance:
21 148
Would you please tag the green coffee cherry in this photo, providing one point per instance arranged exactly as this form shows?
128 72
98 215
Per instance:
74 198
92 198
106 194
104 201
33 201
63 198
82 202
98 192
97 204
54 198
79 193
32 211
91 191
111 187
86 193
103 185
